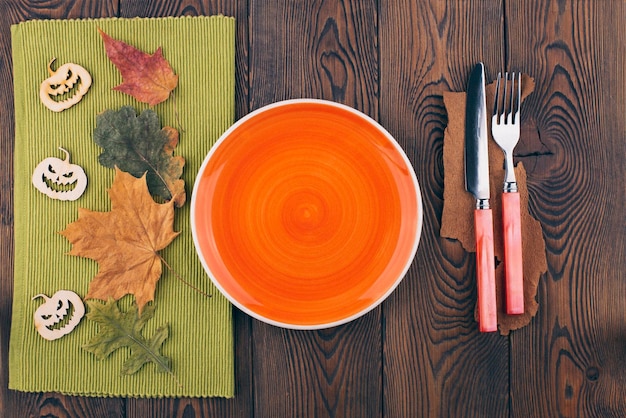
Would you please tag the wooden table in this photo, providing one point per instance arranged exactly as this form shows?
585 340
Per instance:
420 353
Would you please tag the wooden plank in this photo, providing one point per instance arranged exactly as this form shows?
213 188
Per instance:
12 403
570 362
306 49
322 50
436 361
241 405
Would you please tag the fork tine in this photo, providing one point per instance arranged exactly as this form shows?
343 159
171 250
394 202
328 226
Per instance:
512 102
512 114
496 99
509 114
512 111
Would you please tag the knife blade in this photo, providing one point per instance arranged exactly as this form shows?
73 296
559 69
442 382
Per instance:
477 183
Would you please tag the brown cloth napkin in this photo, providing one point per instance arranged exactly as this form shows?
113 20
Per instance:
457 221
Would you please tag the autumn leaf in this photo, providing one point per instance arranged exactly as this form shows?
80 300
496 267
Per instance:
117 329
138 145
148 78
125 241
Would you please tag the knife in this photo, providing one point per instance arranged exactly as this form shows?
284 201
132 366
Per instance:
477 183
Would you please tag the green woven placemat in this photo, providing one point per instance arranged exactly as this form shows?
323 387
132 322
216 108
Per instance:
201 51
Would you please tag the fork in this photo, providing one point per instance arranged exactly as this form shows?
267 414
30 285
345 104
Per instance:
505 129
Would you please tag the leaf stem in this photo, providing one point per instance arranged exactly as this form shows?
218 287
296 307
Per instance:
176 114
180 385
181 279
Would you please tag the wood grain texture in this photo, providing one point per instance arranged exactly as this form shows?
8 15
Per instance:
420 354
322 50
18 10
329 373
325 50
436 362
571 363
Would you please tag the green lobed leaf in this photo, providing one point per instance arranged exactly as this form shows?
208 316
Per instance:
119 329
138 145
138 358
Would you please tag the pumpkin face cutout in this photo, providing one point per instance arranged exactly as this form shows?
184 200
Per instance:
65 87
55 310
59 179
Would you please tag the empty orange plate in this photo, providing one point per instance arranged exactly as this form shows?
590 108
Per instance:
306 214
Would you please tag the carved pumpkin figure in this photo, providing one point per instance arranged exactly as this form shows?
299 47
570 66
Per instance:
59 179
65 87
55 310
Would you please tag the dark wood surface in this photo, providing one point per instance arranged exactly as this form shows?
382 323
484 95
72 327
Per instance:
420 353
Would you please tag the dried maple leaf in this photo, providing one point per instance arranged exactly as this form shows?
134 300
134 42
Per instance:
125 241
138 145
119 329
148 78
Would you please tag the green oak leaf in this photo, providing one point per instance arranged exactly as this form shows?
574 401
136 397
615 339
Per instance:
138 145
119 329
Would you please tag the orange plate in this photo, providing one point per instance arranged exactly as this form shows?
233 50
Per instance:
306 214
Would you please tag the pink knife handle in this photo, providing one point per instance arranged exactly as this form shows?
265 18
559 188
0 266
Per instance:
513 269
485 271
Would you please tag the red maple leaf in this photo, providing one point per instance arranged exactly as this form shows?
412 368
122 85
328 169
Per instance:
148 78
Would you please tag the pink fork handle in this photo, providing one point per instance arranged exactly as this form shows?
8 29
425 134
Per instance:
485 271
513 268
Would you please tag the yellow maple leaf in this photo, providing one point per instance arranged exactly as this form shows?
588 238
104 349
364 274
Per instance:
125 242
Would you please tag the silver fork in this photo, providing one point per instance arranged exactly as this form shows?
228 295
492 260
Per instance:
505 129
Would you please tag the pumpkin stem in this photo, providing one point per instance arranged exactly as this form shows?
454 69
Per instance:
50 66
41 296
67 154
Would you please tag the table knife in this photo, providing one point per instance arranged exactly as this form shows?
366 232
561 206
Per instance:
477 183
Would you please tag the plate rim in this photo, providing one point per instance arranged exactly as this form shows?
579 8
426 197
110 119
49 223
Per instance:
418 227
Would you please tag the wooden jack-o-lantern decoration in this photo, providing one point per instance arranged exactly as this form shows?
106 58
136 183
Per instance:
65 87
55 310
59 179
